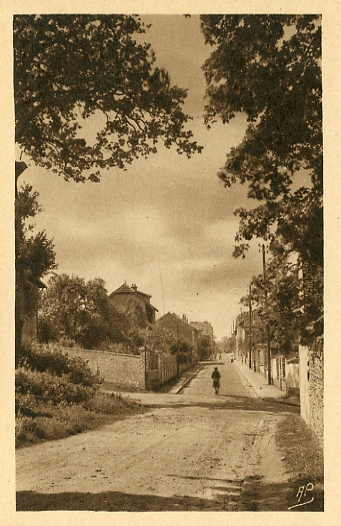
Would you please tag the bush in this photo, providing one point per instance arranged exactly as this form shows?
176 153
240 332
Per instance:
51 360
62 421
47 331
55 389
57 396
182 358
65 341
49 375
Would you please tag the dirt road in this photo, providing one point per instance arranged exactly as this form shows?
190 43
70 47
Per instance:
190 452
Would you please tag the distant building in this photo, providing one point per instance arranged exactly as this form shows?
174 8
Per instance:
134 304
204 328
180 328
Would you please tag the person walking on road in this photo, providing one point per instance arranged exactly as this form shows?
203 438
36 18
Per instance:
216 380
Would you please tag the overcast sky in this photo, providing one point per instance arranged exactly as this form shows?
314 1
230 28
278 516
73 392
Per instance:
166 223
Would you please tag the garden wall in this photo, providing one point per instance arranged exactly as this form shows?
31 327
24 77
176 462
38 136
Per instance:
144 371
126 370
312 387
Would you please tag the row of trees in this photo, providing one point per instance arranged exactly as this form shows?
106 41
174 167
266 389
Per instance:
73 311
269 68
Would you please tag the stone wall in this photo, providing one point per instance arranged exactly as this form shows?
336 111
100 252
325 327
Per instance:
312 387
126 370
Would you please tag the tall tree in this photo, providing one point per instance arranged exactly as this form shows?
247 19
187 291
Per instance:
81 311
76 73
269 68
34 257
277 303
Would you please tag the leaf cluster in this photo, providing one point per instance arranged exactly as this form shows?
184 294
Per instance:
269 68
159 339
81 311
74 74
35 255
204 347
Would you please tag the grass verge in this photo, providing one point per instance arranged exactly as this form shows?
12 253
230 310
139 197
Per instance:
52 422
301 449
303 457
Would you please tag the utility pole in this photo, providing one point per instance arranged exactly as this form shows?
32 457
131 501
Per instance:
267 324
250 327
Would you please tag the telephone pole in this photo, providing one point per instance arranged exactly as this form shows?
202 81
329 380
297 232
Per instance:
267 323
250 327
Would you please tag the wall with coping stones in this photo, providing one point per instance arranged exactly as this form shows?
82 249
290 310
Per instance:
123 369
312 387
128 370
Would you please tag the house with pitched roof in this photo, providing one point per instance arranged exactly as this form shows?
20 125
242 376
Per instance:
134 304
204 328
179 327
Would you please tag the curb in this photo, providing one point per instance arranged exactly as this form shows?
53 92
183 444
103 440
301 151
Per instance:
248 381
188 380
279 400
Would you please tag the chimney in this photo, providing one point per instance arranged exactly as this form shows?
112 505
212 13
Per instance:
134 287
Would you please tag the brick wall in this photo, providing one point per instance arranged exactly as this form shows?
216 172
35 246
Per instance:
312 387
126 370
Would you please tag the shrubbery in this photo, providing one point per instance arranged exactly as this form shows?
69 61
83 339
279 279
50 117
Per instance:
57 396
51 360
49 375
51 422
51 388
73 311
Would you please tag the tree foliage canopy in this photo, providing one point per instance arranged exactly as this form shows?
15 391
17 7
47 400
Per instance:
35 254
81 311
34 257
269 68
68 68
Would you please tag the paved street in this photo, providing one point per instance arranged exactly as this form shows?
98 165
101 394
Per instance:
231 383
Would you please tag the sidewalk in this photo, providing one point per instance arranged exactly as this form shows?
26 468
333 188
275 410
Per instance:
185 379
260 386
